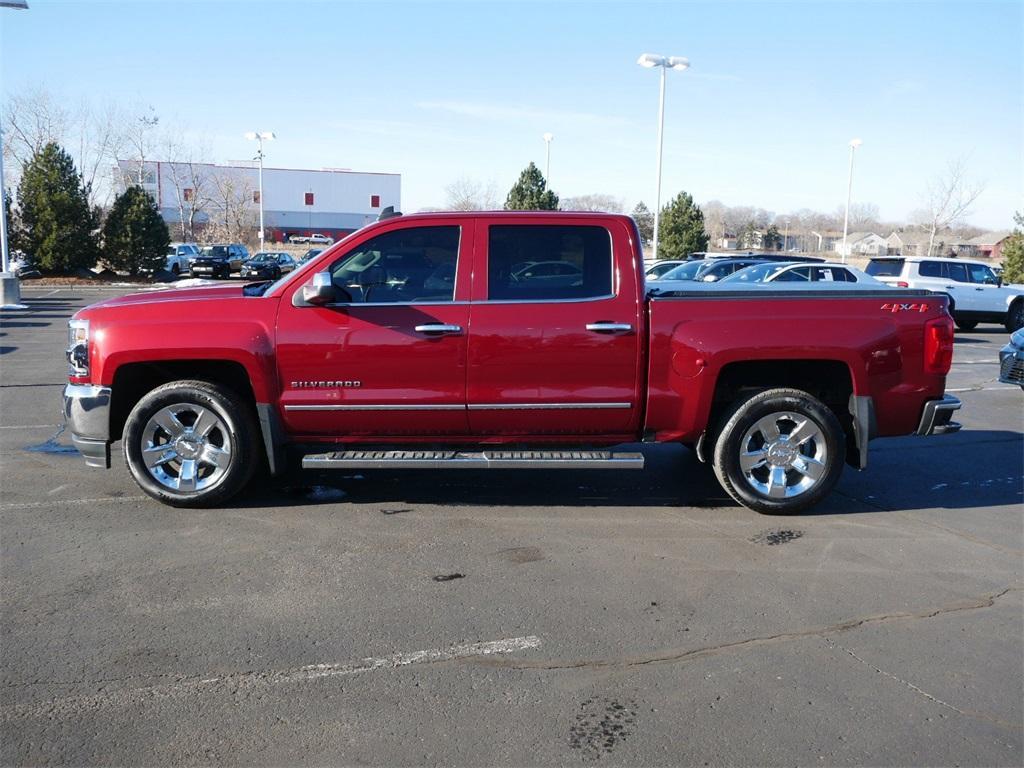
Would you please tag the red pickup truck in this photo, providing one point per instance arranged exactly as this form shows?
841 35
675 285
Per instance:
502 341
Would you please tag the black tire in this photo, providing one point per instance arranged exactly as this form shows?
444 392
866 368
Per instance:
744 417
240 434
175 270
1015 317
964 324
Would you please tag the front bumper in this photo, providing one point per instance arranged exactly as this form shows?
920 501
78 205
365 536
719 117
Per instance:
1011 364
937 416
87 414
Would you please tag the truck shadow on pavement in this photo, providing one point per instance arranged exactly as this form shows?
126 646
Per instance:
970 470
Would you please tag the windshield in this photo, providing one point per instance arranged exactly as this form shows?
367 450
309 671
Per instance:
757 273
686 271
214 251
261 257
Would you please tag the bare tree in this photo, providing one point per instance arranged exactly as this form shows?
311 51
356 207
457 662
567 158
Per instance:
864 217
466 194
947 200
32 119
189 178
232 218
140 137
593 202
94 136
714 220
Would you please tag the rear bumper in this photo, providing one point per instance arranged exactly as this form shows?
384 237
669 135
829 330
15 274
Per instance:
937 416
87 414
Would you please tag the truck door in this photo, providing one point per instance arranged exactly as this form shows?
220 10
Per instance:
389 358
555 329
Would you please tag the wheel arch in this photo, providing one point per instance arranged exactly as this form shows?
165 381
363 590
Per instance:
829 380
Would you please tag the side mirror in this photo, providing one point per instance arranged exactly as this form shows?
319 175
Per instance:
999 281
320 291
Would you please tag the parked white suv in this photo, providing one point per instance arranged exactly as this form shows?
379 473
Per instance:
180 257
976 293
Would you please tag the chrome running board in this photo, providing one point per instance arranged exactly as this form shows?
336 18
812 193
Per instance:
473 460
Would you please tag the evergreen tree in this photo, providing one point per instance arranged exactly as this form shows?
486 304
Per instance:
681 229
135 236
644 222
1013 253
57 225
772 239
530 193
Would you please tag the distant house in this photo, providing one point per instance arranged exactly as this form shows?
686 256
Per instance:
728 242
914 242
989 245
863 243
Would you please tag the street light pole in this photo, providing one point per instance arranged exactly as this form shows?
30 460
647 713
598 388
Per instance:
666 63
854 143
547 163
10 288
259 136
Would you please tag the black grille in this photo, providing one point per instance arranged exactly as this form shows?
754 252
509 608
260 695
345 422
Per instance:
1012 371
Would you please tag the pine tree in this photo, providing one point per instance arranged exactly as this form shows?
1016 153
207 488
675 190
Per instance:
1013 253
644 222
530 193
681 229
135 236
772 239
56 223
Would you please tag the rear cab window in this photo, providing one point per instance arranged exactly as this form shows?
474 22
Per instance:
527 262
885 267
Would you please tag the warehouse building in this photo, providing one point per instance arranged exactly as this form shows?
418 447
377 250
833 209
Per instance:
296 201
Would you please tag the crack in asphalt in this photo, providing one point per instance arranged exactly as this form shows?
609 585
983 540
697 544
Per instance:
965 712
676 656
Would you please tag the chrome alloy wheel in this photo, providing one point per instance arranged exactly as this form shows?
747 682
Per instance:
186 447
783 455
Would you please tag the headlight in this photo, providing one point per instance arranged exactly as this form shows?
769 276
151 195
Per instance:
78 348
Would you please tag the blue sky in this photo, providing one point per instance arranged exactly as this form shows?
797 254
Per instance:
439 91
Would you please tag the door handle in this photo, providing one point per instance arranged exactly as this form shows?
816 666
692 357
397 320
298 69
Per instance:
979 289
604 327
950 287
438 328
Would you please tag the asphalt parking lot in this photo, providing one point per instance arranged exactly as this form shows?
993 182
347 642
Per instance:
516 619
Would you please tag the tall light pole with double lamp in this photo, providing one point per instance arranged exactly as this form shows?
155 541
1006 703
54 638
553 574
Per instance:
666 63
547 163
261 136
854 143
10 288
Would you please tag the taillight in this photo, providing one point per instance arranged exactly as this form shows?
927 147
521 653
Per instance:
902 284
938 345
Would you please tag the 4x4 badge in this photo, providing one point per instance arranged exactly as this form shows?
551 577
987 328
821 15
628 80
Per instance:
904 307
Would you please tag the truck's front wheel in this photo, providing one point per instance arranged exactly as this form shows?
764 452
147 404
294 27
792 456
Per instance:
191 444
779 451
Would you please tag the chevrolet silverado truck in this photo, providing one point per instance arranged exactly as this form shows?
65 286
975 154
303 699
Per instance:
427 341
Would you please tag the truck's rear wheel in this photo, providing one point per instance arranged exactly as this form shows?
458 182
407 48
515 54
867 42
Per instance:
779 451
191 444
964 324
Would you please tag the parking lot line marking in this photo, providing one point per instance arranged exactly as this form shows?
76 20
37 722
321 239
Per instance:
28 426
63 502
230 683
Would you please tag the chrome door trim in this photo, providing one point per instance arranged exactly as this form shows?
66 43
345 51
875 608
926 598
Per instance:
438 328
362 407
545 406
610 327
471 407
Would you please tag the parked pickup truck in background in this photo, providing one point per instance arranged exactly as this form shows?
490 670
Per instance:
429 341
313 238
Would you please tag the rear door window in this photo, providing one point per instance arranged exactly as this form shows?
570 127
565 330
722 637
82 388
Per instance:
798 275
885 267
548 263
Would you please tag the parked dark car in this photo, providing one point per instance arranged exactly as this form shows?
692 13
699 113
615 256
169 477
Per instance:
220 260
268 265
